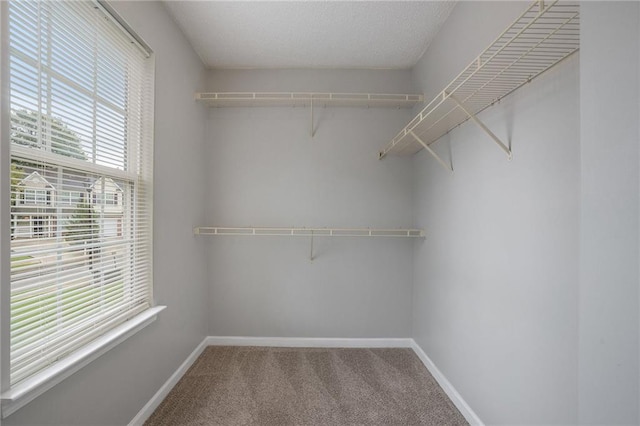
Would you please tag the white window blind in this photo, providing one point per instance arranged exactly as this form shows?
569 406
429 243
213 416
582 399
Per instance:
81 99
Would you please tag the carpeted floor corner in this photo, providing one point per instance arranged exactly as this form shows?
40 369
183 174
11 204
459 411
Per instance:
306 386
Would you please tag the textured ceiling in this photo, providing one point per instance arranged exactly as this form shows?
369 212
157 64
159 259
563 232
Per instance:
310 34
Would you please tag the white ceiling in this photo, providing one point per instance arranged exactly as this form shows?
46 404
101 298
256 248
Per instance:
310 34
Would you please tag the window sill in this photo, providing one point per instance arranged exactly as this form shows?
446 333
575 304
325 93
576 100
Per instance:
27 391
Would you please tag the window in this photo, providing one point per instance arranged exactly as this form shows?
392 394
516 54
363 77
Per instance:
81 115
69 198
36 196
111 198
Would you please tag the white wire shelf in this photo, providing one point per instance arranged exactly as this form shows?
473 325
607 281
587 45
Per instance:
293 99
309 232
545 34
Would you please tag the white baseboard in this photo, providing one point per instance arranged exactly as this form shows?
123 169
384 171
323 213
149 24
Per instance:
164 390
309 342
448 388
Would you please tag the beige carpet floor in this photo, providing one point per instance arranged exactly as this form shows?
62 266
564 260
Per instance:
306 386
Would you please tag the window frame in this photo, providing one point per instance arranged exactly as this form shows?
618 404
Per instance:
13 398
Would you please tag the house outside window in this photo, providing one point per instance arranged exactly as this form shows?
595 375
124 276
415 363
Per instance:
35 190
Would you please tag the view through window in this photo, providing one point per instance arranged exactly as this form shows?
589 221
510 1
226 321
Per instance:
81 179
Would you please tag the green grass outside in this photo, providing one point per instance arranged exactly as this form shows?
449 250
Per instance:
53 307
23 264
20 258
43 310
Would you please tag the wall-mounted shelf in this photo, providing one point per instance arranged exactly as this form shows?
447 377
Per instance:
545 34
309 232
310 99
294 99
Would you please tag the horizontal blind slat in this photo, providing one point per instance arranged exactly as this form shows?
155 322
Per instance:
71 316
77 341
54 320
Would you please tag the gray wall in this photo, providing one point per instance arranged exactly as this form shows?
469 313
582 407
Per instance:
610 107
264 169
526 291
495 301
114 388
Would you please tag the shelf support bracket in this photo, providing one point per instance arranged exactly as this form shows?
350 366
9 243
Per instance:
432 152
311 105
311 254
482 126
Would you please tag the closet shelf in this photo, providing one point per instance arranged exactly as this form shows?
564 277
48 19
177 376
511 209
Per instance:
309 232
545 34
292 99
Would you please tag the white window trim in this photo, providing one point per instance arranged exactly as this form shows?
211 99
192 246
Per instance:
27 391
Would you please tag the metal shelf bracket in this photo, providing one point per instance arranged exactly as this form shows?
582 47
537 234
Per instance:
449 167
311 108
480 124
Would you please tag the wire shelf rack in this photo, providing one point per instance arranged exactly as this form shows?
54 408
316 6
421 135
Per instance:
309 232
250 99
545 34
